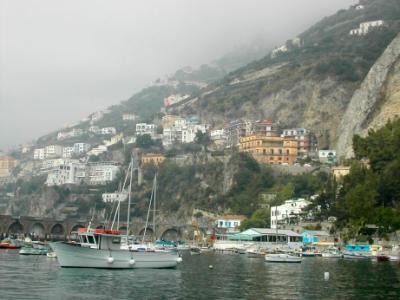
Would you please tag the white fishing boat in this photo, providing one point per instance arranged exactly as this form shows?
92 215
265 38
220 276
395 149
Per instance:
107 248
101 248
282 258
332 253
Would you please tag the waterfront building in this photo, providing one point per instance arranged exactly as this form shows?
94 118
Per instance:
230 223
270 149
267 235
290 212
316 236
102 172
7 163
154 158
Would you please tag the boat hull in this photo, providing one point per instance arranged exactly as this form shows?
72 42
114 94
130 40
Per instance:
282 258
75 256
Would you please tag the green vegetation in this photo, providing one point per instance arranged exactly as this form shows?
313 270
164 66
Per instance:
371 192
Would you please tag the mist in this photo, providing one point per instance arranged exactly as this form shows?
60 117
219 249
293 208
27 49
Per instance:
62 60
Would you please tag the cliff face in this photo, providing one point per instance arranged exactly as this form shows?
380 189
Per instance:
376 101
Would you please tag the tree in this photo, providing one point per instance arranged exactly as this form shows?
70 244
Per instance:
202 139
144 141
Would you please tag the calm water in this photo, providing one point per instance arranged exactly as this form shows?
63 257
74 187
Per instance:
233 277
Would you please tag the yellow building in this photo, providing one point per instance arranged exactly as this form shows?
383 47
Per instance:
340 171
169 120
7 163
270 149
154 158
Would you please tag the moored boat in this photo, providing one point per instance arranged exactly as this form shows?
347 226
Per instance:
102 249
282 258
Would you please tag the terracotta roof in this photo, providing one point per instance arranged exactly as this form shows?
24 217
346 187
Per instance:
233 217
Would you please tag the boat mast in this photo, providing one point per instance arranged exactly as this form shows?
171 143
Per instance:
129 201
117 209
154 206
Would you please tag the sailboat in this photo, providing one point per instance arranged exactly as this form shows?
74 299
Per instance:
109 249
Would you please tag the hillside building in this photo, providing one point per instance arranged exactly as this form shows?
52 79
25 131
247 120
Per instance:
7 164
366 27
144 128
68 152
112 197
182 132
53 151
66 172
102 172
288 213
80 148
174 99
128 117
152 158
97 150
340 171
327 156
235 130
306 141
270 149
108 131
230 223
39 154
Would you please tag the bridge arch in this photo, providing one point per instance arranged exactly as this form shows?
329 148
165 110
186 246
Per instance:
15 228
38 230
57 231
171 234
76 227
149 234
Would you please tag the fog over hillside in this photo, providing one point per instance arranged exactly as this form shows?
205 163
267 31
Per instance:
61 60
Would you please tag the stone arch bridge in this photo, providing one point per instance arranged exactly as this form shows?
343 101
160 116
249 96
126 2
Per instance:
55 229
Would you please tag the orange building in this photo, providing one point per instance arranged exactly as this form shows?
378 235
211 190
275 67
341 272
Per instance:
154 158
7 163
270 149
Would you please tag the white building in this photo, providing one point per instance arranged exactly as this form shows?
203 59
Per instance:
144 128
111 197
279 50
182 132
69 172
230 222
80 148
98 150
39 153
69 134
290 210
94 129
366 27
102 172
360 7
128 117
114 140
96 116
68 152
108 130
52 151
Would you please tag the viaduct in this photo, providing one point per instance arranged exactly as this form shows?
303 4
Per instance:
54 229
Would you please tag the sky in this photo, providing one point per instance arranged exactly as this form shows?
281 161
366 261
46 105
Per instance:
62 60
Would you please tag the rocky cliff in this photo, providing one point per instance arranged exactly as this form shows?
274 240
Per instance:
375 102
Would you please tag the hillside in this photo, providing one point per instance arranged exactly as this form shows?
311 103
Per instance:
308 82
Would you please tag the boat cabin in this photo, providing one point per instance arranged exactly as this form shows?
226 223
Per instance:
100 238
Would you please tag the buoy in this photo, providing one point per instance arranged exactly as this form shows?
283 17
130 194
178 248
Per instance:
110 260
179 259
211 267
326 275
132 262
